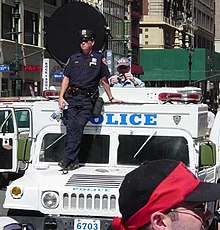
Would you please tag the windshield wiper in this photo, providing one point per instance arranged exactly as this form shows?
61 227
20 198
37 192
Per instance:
144 144
53 143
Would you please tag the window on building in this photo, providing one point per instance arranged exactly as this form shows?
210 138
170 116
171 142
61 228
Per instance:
7 21
51 2
46 20
30 28
167 5
4 92
114 13
212 27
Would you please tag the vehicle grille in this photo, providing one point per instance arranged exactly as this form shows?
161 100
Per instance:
93 193
104 181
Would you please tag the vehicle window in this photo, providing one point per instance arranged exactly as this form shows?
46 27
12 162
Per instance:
158 147
6 122
94 148
23 120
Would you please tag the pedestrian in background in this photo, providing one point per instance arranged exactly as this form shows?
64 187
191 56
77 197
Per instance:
164 195
79 90
124 78
210 120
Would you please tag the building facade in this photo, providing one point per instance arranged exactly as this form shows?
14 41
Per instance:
167 24
186 26
217 26
22 40
135 8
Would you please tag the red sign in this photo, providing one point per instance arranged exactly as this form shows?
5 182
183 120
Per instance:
32 68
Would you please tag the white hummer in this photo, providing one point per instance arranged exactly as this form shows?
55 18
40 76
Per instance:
150 124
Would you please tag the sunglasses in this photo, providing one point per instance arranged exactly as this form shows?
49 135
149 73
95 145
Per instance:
123 67
85 40
202 208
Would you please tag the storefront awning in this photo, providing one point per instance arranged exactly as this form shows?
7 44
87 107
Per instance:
137 69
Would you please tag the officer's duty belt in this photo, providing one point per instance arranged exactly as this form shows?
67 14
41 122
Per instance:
88 92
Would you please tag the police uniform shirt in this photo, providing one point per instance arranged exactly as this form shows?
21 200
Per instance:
86 71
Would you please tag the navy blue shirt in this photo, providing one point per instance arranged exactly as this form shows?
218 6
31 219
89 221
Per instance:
86 71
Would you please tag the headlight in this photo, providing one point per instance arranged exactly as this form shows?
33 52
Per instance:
16 192
50 200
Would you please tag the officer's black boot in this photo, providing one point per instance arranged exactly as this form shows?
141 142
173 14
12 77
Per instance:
67 164
64 163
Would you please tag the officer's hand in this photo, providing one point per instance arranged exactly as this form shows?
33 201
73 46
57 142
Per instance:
116 101
62 102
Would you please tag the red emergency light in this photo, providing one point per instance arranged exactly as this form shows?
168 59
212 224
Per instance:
168 97
51 94
179 97
194 97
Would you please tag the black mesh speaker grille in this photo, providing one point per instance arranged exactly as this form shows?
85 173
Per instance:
63 27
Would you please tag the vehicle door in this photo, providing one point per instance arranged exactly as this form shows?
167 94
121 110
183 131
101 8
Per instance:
15 137
8 140
25 133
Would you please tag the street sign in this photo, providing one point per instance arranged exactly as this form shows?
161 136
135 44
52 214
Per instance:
4 68
58 75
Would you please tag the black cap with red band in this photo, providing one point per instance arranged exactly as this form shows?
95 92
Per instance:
158 186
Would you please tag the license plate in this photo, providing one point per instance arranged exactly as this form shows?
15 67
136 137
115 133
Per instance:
86 224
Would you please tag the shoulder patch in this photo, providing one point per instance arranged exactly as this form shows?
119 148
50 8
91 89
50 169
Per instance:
104 61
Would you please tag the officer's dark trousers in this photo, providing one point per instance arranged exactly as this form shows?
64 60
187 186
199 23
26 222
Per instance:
75 118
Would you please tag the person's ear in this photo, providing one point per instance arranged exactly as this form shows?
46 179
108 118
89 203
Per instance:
159 221
93 42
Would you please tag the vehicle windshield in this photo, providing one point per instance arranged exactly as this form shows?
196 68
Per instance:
158 147
94 148
6 121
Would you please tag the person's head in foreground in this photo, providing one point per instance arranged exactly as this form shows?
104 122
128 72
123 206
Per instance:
164 194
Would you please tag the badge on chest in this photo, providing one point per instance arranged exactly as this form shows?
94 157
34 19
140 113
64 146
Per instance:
93 62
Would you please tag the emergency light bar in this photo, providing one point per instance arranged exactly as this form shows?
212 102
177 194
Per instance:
9 100
51 94
179 97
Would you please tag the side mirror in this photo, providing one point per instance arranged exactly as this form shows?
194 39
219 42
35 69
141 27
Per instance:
207 154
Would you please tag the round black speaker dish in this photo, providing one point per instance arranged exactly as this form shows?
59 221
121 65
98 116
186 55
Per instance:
65 23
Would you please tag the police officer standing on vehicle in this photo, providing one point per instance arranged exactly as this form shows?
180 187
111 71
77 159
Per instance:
79 90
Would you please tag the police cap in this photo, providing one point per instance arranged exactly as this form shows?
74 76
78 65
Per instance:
88 34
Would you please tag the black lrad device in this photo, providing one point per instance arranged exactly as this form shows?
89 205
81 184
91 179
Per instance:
98 107
62 31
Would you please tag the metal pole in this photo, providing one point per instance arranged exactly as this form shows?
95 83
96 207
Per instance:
16 33
190 68
192 28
